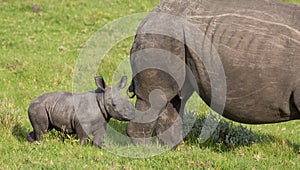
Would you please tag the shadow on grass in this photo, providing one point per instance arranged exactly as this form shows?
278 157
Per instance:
20 132
229 136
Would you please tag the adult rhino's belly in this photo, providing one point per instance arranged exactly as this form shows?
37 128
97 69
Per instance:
261 63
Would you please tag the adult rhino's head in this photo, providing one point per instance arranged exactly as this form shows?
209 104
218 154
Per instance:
112 102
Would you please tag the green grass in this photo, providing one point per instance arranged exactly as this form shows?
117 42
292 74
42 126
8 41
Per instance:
38 54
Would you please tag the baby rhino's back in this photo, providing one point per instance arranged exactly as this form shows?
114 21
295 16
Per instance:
58 107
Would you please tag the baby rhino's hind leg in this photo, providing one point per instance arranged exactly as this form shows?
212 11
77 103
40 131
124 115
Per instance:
31 137
39 121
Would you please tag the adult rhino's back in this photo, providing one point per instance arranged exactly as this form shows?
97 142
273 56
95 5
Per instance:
258 43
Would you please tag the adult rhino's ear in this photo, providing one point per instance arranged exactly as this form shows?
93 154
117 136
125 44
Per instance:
122 82
100 82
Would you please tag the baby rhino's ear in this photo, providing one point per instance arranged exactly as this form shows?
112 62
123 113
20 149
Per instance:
122 82
100 82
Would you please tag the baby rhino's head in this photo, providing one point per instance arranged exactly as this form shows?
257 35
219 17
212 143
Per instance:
112 101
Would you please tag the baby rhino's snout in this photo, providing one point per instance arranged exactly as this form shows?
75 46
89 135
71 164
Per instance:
128 112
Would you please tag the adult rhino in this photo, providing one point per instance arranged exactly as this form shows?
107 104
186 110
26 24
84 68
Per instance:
184 46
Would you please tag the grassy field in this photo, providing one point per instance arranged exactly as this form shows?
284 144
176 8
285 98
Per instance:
39 53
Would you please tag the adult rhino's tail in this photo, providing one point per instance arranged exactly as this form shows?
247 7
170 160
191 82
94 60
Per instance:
130 90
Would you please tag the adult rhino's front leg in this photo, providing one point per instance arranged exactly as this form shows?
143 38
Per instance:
140 131
169 127
295 103
169 124
154 112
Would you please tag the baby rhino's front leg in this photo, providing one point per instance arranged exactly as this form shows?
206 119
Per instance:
81 133
98 136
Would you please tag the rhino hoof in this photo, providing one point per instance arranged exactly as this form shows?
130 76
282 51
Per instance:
31 137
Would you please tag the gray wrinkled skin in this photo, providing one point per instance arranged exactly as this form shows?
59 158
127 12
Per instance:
258 42
83 114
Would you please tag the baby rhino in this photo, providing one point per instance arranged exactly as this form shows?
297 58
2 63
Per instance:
84 114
